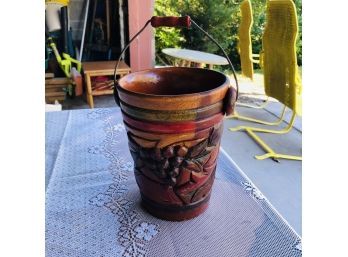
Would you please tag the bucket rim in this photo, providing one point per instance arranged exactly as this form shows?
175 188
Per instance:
202 93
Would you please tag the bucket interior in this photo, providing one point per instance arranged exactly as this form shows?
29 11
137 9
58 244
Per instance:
172 81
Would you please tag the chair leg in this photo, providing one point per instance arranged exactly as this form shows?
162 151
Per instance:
245 118
270 152
283 131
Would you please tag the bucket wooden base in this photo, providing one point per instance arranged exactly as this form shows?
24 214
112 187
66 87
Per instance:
175 213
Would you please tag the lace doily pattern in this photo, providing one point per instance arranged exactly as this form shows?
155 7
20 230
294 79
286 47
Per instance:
88 212
252 190
93 201
133 232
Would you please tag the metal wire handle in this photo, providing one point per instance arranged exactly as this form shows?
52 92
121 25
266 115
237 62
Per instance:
184 21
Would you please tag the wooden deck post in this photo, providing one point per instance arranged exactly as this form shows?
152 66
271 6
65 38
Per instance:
142 50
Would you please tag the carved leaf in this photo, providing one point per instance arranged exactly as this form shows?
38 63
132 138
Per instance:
202 159
194 142
210 148
193 165
185 196
198 149
184 176
215 136
202 191
197 176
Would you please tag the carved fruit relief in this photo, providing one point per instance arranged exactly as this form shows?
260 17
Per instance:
185 169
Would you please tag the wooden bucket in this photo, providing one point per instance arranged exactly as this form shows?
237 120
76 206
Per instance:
174 117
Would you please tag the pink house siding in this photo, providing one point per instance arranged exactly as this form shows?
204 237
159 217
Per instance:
142 50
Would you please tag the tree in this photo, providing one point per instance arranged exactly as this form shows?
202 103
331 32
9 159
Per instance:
220 18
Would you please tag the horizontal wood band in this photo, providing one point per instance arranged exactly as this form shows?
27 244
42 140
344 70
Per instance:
173 128
162 140
172 116
171 103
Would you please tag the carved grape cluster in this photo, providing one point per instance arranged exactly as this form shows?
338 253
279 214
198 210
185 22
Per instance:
173 158
167 163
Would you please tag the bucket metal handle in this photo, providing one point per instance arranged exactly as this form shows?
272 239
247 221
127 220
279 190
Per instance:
184 21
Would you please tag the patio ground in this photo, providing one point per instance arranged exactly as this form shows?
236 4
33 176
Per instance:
281 183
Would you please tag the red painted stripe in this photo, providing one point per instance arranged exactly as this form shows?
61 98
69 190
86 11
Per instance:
173 127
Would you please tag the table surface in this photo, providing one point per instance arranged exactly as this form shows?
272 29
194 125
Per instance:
104 66
93 202
195 56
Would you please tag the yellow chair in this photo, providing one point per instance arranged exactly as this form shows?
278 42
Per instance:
244 39
279 63
247 58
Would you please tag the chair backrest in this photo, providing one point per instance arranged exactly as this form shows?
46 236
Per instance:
244 39
279 61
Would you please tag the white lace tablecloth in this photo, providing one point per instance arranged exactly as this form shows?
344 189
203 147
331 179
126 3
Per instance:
93 203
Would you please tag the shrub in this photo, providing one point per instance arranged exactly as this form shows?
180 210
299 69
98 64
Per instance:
220 18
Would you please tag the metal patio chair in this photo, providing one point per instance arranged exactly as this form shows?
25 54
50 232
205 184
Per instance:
279 63
247 59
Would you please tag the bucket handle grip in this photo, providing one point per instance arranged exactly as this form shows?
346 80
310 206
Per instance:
170 21
185 21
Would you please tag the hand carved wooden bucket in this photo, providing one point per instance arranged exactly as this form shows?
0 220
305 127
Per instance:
174 117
